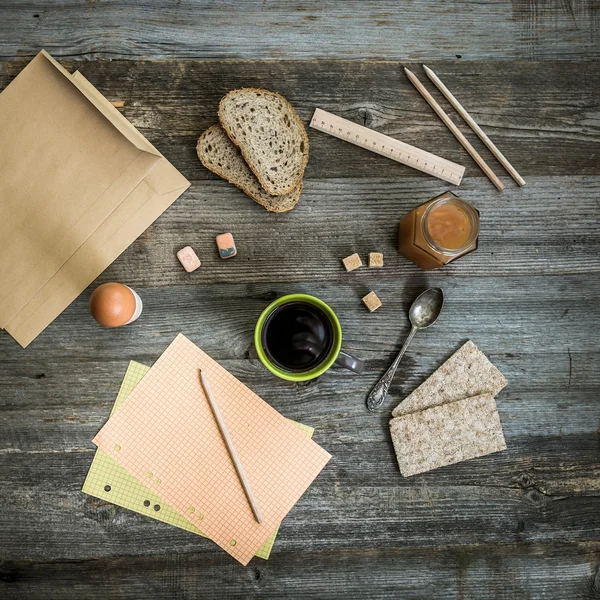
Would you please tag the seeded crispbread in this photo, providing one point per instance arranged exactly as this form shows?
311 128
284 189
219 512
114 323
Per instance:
270 135
218 154
447 434
468 372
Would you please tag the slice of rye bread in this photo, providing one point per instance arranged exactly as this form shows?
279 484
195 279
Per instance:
270 135
221 156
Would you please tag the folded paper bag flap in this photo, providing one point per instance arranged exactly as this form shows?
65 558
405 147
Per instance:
60 156
162 181
112 115
51 123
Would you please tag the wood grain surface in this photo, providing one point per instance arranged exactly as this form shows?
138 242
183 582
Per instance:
521 524
302 29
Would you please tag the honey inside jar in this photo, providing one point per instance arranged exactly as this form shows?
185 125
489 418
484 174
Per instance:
439 231
449 226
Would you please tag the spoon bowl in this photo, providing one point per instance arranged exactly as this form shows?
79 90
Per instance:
423 313
425 310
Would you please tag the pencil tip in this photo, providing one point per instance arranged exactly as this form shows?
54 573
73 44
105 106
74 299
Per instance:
406 70
426 68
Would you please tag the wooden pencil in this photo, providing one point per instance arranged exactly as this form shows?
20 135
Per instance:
460 109
231 448
454 129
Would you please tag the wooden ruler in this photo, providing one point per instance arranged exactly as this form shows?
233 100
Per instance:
387 146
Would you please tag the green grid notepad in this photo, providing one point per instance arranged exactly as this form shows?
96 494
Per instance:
109 481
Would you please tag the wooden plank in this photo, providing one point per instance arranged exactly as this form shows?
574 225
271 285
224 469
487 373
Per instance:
354 29
519 524
360 502
518 571
543 117
524 232
513 571
544 347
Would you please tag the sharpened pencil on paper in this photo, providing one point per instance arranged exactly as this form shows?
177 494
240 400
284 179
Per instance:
230 447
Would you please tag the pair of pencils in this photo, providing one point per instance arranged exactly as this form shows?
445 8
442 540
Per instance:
470 121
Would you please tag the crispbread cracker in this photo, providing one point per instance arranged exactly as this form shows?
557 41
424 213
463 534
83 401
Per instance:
468 372
447 434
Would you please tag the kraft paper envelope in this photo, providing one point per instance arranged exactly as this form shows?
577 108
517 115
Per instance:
78 185
166 427
114 236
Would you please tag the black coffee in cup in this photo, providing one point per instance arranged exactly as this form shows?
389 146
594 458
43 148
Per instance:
297 336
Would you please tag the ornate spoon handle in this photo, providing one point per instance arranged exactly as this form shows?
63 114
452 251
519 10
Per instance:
378 393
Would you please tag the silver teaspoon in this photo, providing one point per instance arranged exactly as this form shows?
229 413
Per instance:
423 312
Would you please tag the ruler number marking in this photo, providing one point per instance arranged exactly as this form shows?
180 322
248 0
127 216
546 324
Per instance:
375 146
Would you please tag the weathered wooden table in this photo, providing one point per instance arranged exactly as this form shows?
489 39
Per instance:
521 524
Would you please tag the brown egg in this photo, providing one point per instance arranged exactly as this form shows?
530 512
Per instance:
112 304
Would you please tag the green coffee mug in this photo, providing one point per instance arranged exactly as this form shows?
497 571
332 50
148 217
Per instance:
333 354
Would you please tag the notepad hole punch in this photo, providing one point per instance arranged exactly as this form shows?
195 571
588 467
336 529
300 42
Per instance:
107 488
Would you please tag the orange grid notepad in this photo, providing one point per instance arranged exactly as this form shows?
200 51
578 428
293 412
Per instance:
167 428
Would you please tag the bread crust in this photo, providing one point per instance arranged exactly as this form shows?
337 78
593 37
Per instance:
263 183
224 175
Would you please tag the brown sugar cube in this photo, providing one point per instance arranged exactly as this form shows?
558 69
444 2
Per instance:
352 262
371 301
375 260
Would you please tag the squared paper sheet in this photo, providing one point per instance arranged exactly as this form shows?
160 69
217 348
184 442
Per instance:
167 428
447 434
468 372
126 491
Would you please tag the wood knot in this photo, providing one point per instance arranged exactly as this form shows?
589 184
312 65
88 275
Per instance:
100 511
366 118
268 296
307 383
535 497
524 480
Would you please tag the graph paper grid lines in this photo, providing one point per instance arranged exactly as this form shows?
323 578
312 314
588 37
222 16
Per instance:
166 427
126 491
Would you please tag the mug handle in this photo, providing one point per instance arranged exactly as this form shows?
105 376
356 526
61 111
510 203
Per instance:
349 362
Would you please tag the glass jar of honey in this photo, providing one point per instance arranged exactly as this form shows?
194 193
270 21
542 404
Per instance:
439 231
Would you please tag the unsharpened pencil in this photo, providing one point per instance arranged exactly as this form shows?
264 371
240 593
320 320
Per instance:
230 447
460 109
454 129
